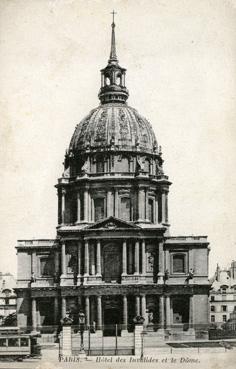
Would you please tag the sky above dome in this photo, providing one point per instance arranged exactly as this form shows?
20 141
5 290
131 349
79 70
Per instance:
180 58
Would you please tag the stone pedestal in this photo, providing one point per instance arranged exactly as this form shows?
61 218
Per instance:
138 340
66 341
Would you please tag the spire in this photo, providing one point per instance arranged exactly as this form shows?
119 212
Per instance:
113 76
113 57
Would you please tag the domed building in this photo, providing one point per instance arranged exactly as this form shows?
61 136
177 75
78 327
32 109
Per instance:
113 257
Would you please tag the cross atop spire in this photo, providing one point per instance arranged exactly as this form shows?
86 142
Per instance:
113 57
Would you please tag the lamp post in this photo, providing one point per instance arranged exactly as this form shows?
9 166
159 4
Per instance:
81 328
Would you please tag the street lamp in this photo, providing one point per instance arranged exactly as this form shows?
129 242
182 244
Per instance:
81 328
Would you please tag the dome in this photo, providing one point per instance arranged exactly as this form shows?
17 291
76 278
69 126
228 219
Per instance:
114 125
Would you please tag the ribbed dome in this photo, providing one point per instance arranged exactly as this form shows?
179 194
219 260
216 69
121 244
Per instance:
116 125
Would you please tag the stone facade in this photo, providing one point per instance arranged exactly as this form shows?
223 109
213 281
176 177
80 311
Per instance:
113 256
223 295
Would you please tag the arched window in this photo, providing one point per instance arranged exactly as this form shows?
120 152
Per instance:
125 211
107 81
151 210
118 80
100 166
99 208
179 261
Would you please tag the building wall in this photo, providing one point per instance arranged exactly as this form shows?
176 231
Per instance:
201 309
23 310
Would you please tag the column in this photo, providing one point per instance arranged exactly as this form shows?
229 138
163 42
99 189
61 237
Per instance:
89 207
63 307
86 258
59 212
156 210
124 258
79 263
55 310
143 303
79 258
63 205
57 264
146 205
137 305
136 257
166 208
161 265
168 313
161 312
98 266
163 206
87 310
85 204
116 203
78 207
34 314
99 312
125 312
143 257
92 260
109 204
63 259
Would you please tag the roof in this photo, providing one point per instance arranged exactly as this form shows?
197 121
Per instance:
117 125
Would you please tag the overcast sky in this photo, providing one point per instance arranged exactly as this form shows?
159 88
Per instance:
180 58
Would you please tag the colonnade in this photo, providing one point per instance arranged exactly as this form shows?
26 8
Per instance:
164 307
111 205
91 263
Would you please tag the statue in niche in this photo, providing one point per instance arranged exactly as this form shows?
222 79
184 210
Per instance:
140 166
150 317
150 261
159 168
85 167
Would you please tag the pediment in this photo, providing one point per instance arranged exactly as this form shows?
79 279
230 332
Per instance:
112 223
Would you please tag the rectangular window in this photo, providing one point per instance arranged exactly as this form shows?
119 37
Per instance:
212 318
125 208
224 317
179 263
223 308
3 342
24 341
212 308
100 166
99 209
46 266
212 298
13 342
151 210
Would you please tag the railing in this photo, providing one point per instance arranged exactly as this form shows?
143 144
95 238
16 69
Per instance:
187 238
39 242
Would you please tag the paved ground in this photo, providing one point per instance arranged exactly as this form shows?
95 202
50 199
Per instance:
179 358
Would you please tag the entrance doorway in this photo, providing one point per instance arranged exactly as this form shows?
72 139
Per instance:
112 263
112 315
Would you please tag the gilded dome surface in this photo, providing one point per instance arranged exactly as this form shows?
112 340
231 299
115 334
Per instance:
116 125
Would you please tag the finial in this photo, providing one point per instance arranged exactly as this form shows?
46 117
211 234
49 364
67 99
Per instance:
113 17
113 57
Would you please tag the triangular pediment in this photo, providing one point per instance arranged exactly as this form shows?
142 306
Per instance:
112 223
